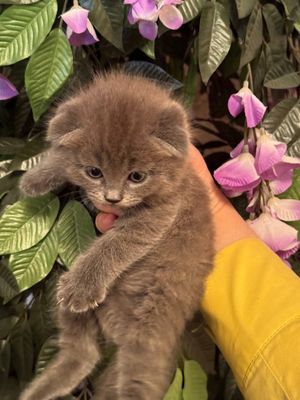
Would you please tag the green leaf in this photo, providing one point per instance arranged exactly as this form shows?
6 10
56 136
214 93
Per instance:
149 49
9 389
175 390
254 36
195 381
5 357
283 120
108 17
75 231
18 1
244 7
10 145
275 25
282 75
32 265
190 9
22 351
24 28
192 79
48 350
47 71
153 72
294 193
8 284
214 38
6 325
25 165
290 6
27 222
43 312
274 20
7 183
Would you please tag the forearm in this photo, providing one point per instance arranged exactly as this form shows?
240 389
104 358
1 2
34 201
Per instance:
252 309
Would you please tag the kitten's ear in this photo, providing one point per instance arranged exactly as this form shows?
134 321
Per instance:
172 132
63 128
47 176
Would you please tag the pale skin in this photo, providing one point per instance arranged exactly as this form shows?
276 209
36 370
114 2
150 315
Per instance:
229 225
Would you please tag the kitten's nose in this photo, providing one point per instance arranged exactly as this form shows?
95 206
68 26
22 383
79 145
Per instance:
113 197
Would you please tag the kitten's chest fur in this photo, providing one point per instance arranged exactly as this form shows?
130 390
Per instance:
176 268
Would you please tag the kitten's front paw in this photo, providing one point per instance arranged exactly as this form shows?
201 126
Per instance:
32 185
77 294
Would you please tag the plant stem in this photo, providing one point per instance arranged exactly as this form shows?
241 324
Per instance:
294 49
62 11
249 75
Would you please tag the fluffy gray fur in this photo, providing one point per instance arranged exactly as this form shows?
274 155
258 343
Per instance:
139 283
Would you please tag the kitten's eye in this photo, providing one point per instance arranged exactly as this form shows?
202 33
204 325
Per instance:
94 172
137 177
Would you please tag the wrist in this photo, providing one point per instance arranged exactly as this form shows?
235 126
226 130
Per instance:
229 225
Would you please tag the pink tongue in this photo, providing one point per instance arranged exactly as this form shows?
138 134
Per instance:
105 221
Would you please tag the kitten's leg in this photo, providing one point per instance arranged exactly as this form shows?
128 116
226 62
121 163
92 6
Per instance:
145 368
45 177
78 354
106 386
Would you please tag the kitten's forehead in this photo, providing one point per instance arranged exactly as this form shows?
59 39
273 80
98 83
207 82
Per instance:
121 111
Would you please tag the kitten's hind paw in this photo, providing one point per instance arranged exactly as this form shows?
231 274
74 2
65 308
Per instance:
77 295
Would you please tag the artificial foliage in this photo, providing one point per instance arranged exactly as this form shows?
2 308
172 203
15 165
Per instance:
204 51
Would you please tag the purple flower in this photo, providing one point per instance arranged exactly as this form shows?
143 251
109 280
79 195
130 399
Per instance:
247 101
280 175
282 183
80 31
239 148
284 209
280 237
147 12
268 152
7 89
239 174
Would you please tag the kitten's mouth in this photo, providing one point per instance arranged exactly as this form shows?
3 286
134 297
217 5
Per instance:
108 209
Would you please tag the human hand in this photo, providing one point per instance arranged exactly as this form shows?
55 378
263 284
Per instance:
229 225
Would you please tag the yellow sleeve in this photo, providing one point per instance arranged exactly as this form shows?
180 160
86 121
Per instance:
252 309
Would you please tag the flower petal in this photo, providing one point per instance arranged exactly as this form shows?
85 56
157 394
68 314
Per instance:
279 236
76 19
287 263
285 209
284 254
92 31
171 17
235 104
281 168
252 203
79 39
282 183
7 89
268 153
145 10
239 174
231 193
130 1
287 163
131 19
148 29
239 148
254 109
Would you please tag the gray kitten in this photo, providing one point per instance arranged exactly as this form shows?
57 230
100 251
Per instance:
124 140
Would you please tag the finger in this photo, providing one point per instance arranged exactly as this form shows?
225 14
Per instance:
199 165
104 221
